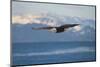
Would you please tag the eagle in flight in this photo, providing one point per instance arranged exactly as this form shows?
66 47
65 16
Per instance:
58 29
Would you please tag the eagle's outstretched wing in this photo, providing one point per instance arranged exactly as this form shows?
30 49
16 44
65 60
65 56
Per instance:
69 25
43 28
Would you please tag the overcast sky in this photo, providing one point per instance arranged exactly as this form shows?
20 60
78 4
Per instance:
22 8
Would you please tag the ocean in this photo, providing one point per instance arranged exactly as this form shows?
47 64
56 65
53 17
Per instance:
52 52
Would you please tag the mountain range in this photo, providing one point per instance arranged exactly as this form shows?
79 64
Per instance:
24 32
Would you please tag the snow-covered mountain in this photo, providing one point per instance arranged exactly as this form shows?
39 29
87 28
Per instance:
24 32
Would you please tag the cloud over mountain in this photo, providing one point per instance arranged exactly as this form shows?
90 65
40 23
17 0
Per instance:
33 19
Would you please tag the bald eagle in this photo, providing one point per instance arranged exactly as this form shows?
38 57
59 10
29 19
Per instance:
58 29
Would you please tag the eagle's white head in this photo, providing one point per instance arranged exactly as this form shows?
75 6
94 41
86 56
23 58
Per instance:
53 30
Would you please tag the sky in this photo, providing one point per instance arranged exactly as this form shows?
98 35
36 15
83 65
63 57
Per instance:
24 8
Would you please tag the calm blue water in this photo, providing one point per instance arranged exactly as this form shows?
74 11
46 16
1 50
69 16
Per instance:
52 52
